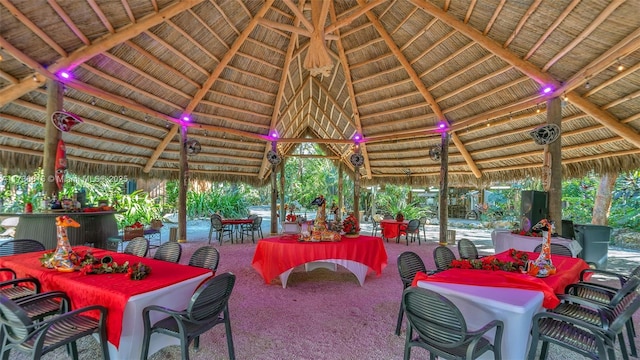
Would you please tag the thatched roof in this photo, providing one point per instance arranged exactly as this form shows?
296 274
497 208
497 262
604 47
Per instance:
396 68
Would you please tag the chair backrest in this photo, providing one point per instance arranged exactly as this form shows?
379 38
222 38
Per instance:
624 311
137 246
15 320
211 298
409 263
423 221
467 249
205 257
388 217
169 251
216 222
252 216
556 249
443 256
435 318
635 272
257 223
413 225
20 246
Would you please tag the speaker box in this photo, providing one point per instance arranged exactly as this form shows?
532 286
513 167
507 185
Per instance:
533 208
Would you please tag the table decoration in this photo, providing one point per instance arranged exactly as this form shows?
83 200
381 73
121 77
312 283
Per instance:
320 232
63 257
350 226
543 262
520 263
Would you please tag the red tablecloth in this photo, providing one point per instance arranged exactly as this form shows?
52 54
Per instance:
567 272
273 256
110 290
391 228
236 221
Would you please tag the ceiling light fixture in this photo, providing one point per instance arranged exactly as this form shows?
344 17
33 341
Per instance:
93 101
620 66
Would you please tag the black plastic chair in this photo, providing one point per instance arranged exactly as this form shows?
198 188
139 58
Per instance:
441 329
467 249
17 288
169 251
556 249
375 224
613 303
409 263
20 246
251 229
220 229
412 231
205 257
37 338
137 246
578 335
443 256
207 308
423 226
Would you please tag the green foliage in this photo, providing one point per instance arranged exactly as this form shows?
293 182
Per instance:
137 206
578 196
626 196
393 200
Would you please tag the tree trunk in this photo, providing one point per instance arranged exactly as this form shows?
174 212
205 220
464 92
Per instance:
602 205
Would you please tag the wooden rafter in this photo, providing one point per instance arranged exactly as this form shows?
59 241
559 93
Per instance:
534 73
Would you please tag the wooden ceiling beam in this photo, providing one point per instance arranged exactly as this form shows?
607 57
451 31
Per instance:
593 25
550 29
532 8
532 71
353 14
421 87
34 28
344 61
492 21
69 22
83 54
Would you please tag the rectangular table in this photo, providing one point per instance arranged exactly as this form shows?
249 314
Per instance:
168 284
277 256
485 295
504 240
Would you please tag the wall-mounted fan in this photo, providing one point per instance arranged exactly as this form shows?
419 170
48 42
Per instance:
273 157
64 121
193 147
356 159
435 153
546 134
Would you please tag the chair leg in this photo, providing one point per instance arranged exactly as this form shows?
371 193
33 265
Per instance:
184 348
630 335
400 316
210 233
227 327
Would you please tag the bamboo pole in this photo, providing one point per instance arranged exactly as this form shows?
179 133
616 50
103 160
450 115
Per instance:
55 97
554 116
340 189
184 184
444 188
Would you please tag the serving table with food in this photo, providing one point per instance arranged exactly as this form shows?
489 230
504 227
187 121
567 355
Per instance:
278 256
484 292
162 283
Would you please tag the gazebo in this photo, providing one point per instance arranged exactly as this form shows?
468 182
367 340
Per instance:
413 88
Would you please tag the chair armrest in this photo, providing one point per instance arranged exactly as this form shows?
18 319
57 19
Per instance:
15 282
610 292
163 309
476 335
599 308
584 272
65 301
46 324
597 331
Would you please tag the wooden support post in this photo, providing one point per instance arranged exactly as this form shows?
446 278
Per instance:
274 200
444 188
340 189
554 116
356 193
184 187
283 212
55 98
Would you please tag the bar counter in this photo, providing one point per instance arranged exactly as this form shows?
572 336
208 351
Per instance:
95 227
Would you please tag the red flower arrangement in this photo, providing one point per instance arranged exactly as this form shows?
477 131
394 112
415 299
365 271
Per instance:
491 263
350 225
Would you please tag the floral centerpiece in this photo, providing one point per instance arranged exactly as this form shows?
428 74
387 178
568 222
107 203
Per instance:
350 225
520 263
89 264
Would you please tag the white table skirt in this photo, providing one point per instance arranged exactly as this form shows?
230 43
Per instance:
504 240
482 304
175 297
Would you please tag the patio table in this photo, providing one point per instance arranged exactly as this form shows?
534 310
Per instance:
168 284
392 228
